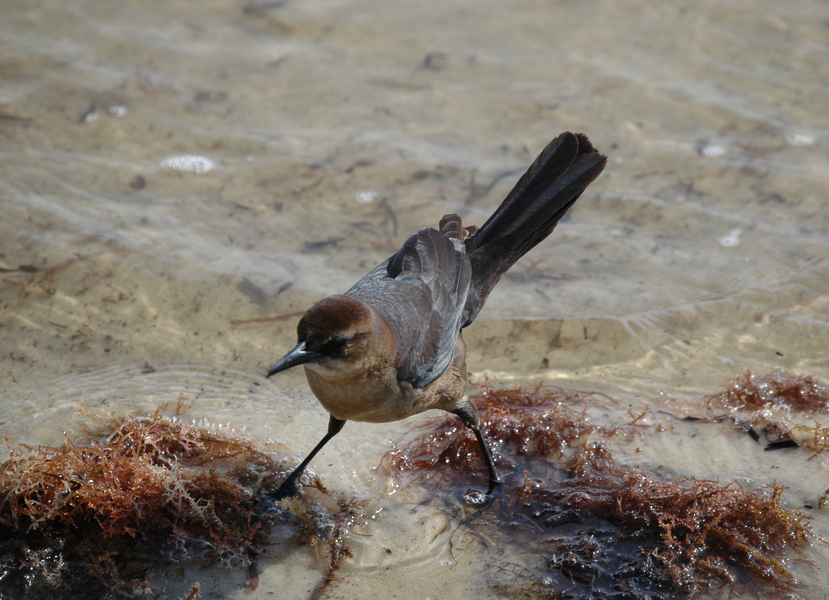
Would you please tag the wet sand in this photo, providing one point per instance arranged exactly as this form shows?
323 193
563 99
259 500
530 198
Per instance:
320 135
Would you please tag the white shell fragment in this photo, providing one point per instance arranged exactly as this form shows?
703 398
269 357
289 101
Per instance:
188 163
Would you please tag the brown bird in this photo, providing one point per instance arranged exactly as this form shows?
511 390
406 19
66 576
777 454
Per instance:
391 346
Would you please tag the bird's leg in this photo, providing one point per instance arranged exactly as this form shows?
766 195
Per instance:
469 415
289 487
494 478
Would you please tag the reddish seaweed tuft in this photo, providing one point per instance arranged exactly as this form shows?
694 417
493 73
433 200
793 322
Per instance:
778 389
540 424
688 533
772 405
91 512
95 520
612 531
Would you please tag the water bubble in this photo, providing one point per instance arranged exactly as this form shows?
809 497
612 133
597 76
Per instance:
474 498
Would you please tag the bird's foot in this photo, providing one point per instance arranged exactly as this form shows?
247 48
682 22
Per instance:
496 488
288 488
265 505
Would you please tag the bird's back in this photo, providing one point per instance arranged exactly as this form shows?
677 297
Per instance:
437 283
421 292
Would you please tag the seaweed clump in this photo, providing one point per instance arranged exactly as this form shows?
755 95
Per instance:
97 520
88 521
772 405
613 531
520 425
776 390
635 536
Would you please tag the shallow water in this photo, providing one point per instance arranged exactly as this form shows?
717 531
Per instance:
320 134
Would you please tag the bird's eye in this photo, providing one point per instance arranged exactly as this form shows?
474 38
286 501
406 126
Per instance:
335 345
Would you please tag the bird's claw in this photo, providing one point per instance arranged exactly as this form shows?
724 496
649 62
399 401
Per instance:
496 487
288 488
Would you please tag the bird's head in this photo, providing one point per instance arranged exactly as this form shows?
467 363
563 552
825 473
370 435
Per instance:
333 334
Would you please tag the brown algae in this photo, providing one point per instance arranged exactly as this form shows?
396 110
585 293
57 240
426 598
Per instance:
533 424
599 529
631 534
775 405
775 390
99 519
94 520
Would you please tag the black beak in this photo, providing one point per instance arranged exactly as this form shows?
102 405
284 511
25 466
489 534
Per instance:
297 356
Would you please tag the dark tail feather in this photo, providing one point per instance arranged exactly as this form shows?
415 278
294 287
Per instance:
530 212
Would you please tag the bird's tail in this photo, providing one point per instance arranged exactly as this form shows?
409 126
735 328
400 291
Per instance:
529 213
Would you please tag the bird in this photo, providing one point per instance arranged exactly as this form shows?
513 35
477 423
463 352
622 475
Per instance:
392 345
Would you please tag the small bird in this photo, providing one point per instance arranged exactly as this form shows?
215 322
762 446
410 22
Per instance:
391 346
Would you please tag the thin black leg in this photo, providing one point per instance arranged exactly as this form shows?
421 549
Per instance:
470 418
494 478
289 486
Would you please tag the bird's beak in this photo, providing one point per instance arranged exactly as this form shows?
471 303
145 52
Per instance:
297 356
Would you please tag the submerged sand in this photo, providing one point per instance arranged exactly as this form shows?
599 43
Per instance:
179 181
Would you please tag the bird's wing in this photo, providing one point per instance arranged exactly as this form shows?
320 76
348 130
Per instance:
421 292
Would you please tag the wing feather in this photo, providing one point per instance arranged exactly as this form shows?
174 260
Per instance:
421 292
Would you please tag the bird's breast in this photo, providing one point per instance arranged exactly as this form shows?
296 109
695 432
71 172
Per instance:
372 396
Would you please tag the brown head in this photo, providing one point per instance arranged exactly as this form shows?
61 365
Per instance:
335 330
